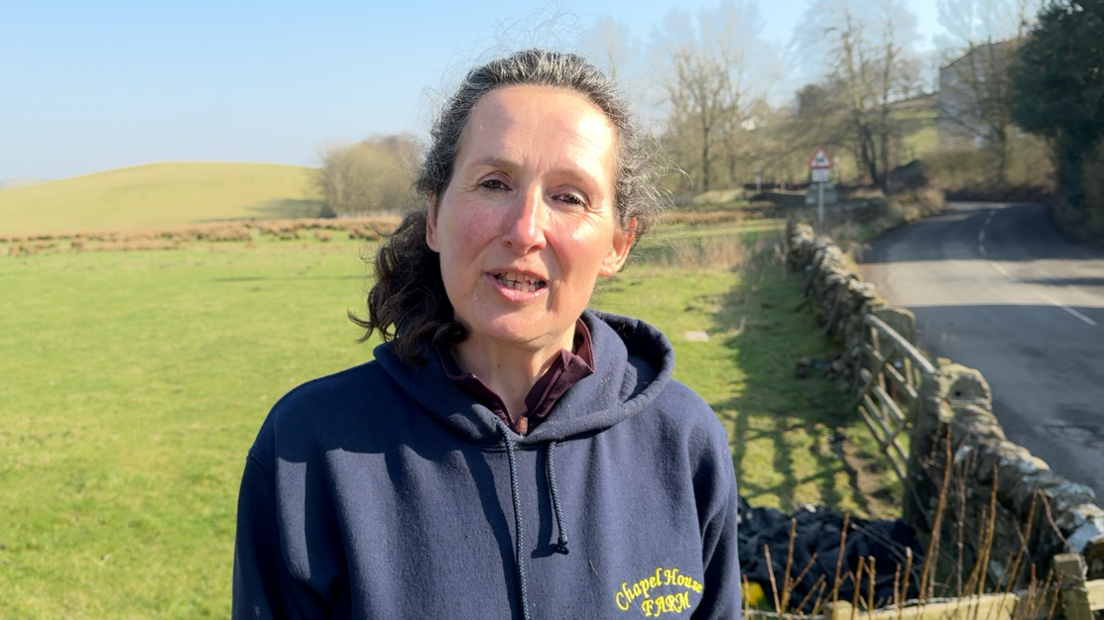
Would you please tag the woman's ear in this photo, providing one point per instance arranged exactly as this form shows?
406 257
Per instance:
619 250
431 224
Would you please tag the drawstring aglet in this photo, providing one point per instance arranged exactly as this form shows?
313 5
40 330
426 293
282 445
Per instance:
561 545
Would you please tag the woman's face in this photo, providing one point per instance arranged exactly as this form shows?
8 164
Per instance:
527 222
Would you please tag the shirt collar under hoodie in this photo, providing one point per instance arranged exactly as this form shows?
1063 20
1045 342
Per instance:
590 405
567 368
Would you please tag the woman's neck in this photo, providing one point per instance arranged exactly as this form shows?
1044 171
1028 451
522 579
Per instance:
510 371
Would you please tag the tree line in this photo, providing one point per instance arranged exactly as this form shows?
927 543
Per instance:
1015 88
1058 94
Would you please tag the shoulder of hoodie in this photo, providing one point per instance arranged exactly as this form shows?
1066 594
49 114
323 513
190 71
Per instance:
329 401
676 408
680 411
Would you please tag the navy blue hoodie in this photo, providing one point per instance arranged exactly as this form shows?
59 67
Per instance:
387 491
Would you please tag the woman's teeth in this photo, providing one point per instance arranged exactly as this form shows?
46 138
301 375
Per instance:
519 282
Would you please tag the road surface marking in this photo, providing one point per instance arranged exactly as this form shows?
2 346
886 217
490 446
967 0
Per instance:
1068 309
1001 270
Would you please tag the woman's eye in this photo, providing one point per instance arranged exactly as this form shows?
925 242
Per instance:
493 184
573 199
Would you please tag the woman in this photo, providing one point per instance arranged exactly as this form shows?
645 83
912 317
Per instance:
443 479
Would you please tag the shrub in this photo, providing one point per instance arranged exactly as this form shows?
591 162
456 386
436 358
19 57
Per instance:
1094 191
974 173
372 175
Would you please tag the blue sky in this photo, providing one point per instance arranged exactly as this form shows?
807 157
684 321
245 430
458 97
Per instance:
86 86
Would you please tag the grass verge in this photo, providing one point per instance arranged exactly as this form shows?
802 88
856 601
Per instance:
793 439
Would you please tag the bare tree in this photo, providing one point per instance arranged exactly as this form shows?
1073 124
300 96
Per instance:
864 48
821 116
372 175
709 90
610 42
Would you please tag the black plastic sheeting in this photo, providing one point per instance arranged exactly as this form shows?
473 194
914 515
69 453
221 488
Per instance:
818 531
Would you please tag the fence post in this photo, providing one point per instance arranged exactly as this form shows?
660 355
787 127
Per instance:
902 320
841 610
1070 569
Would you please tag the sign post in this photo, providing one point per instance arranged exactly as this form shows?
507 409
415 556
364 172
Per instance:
820 169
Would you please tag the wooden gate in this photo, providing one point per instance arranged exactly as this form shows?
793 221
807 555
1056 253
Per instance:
889 369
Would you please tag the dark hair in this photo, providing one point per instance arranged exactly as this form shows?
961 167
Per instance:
408 304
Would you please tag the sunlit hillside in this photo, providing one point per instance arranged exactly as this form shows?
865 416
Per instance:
160 194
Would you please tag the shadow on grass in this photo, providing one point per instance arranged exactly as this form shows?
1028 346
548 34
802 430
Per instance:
793 439
287 208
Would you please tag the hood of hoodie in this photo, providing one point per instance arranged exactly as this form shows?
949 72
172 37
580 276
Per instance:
632 363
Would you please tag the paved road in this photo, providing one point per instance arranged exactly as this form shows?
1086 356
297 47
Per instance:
995 287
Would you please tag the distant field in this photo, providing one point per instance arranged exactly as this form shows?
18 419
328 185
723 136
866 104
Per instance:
132 384
161 194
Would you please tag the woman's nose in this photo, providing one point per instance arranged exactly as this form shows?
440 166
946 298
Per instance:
527 222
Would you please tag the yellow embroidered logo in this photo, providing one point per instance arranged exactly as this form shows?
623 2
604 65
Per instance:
645 595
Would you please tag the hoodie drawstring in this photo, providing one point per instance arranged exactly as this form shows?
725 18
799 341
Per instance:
515 494
562 544
519 551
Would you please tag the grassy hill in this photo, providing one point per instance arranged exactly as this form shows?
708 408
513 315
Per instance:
160 194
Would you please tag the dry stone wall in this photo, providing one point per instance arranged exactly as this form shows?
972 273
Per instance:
991 481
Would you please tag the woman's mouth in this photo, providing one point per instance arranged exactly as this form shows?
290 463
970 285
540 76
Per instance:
520 281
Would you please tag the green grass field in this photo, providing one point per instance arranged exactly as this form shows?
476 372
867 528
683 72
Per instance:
161 194
132 384
921 137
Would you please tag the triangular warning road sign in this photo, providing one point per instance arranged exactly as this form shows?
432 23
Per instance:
820 159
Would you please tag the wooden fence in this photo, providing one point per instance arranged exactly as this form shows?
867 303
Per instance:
1074 598
889 369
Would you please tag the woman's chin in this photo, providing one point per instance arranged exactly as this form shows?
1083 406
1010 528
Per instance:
520 330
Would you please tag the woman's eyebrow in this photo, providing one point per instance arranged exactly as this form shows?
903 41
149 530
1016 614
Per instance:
495 161
581 174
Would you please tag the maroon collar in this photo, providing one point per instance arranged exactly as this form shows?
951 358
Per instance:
566 370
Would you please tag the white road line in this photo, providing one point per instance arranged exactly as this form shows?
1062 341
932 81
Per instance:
1068 309
1001 270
